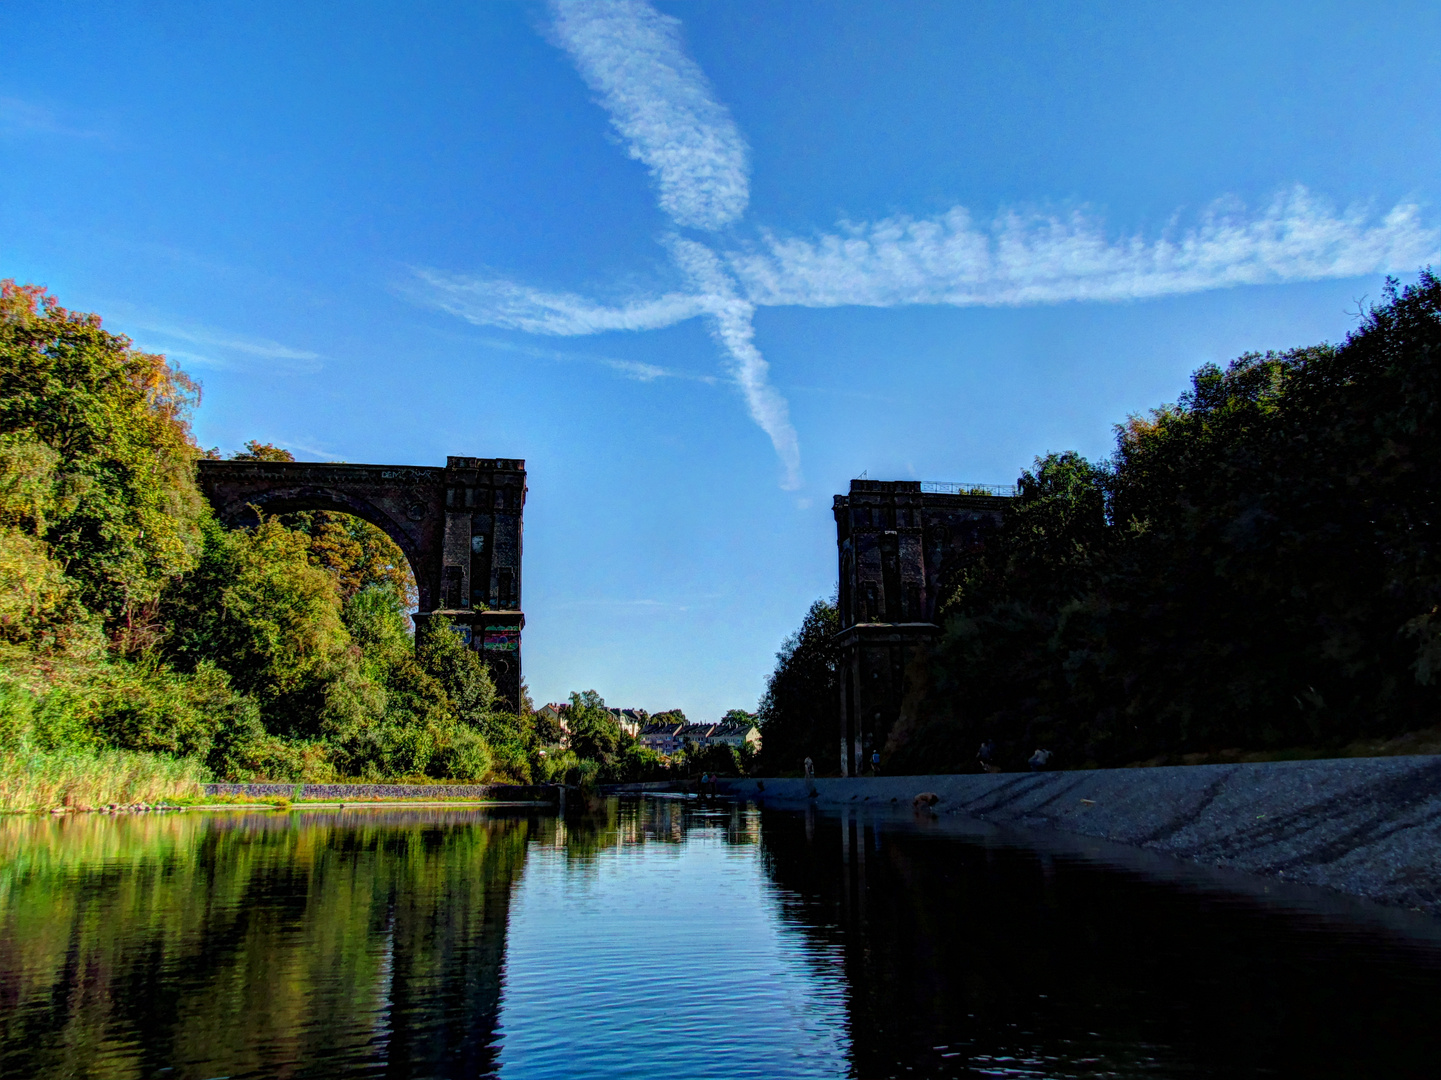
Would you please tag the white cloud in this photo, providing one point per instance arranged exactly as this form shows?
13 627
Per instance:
1020 259
638 371
1030 258
511 306
661 104
733 326
630 369
188 359
223 350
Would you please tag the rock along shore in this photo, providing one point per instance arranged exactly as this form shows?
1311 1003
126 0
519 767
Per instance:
1368 827
370 792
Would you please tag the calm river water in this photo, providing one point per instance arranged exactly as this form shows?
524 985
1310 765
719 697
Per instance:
658 940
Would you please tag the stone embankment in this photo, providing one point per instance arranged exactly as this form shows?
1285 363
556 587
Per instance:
373 792
118 808
1368 827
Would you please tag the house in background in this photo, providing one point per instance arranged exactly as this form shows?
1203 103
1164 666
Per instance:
555 712
663 737
735 733
696 734
630 720
672 738
665 733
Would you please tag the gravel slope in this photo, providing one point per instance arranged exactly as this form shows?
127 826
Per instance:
1368 827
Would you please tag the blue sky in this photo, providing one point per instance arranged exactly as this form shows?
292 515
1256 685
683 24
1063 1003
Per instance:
701 264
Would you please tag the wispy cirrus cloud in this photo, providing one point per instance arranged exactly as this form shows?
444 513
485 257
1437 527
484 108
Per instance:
664 109
1027 258
488 301
634 370
221 350
733 325
661 104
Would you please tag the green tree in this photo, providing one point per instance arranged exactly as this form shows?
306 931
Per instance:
130 619
358 553
258 607
1254 569
640 763
122 506
797 713
594 733
718 758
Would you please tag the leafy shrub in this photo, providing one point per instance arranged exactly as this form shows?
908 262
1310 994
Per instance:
464 755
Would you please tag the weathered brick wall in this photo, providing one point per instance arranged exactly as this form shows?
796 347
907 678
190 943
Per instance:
895 544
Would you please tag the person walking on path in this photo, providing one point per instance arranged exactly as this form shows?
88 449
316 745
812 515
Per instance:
810 769
985 754
875 763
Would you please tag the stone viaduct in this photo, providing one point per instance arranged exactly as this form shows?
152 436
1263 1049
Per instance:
897 539
459 527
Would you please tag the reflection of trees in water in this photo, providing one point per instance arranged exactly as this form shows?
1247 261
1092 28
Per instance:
959 955
251 942
584 834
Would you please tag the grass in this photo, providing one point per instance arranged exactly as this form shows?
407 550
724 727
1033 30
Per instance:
44 779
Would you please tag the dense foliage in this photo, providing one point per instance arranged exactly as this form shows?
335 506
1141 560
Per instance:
797 713
1256 567
142 644
131 621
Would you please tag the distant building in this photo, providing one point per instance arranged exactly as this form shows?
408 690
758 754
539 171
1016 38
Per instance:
666 736
556 712
698 734
630 720
736 734
663 738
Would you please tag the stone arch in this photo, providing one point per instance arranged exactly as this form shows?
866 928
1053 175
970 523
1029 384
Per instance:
283 501
459 528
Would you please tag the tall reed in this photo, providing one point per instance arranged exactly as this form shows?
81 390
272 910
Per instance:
33 779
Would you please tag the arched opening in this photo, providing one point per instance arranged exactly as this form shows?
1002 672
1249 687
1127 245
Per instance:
280 504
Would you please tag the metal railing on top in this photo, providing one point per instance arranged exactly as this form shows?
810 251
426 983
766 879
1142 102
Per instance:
943 487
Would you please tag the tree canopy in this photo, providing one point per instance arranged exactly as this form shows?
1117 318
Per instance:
798 713
97 455
1255 567
131 619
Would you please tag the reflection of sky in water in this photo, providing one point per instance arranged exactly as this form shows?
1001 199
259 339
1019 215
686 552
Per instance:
454 944
664 960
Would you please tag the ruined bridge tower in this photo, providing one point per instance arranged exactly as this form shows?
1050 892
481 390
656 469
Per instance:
460 529
896 540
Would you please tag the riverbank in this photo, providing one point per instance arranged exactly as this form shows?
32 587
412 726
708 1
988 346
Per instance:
354 793
33 779
1367 827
